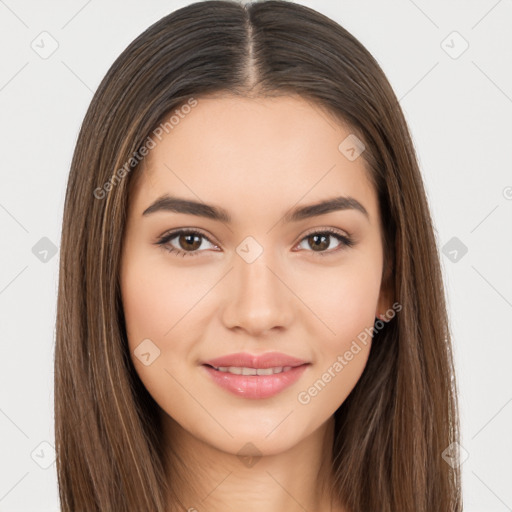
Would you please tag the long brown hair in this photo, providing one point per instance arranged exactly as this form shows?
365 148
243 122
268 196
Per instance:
390 433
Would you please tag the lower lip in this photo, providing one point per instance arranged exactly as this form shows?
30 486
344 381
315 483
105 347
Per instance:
256 386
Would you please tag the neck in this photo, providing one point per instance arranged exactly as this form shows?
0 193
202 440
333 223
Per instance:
208 479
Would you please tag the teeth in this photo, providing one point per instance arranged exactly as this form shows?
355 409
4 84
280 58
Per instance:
238 370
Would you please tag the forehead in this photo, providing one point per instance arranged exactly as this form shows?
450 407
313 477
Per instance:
249 154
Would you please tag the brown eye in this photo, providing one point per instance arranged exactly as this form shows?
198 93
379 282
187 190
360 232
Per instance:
320 241
188 242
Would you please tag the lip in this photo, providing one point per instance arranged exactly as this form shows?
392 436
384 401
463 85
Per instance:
255 386
267 360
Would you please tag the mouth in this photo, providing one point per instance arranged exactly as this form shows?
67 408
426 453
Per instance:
256 361
243 370
255 377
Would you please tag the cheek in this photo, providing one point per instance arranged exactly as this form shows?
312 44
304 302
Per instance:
343 300
155 298
343 343
146 313
161 304
353 307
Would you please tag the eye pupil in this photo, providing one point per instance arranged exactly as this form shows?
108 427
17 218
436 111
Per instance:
321 245
187 239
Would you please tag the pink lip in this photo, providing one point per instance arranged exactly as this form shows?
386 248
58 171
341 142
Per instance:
256 386
267 360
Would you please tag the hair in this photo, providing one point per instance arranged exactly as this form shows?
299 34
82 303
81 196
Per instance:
402 414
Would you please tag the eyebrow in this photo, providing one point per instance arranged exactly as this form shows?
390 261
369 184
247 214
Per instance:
187 206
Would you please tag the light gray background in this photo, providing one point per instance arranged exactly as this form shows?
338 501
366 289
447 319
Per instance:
459 111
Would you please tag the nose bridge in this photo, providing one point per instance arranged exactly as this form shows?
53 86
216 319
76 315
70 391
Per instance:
259 301
257 280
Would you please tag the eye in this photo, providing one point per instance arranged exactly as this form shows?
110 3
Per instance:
189 239
319 240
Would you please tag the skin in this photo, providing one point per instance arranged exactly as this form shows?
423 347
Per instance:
258 159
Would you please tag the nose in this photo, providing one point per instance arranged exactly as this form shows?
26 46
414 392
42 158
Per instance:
258 298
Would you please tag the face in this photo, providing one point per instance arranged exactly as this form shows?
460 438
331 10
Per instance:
254 273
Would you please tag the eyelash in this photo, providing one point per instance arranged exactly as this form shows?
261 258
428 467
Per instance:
346 241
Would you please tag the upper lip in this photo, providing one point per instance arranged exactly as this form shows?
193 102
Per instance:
245 360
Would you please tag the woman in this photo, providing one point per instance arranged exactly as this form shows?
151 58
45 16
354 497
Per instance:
251 310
